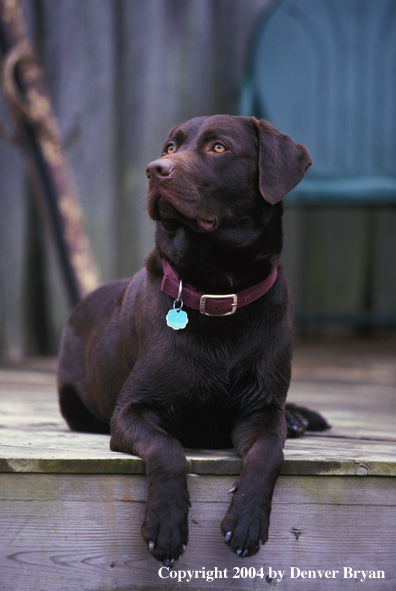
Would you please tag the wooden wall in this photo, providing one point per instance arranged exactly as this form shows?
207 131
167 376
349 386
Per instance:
121 73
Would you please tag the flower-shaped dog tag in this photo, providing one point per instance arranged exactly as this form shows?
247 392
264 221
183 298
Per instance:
177 319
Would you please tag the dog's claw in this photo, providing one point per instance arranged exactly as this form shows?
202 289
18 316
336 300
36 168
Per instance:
245 553
182 549
189 503
239 552
151 546
228 537
233 490
260 543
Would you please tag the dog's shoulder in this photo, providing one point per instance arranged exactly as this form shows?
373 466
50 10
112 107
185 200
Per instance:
99 304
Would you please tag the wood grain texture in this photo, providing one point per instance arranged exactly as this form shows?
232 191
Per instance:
34 438
13 225
362 441
71 510
82 533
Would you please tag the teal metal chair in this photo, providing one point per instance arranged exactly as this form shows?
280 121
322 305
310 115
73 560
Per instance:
324 72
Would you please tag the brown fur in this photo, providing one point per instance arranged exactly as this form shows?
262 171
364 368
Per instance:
220 381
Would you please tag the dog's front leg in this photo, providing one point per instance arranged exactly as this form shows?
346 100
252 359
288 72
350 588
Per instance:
135 430
260 443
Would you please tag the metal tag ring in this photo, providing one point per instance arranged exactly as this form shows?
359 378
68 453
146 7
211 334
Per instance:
178 299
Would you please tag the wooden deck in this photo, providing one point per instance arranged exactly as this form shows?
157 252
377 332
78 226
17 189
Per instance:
70 510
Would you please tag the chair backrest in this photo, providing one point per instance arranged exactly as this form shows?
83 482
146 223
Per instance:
324 72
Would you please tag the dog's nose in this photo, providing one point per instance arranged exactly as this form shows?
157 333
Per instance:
160 168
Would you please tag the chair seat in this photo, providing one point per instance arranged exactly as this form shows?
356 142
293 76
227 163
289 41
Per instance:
360 190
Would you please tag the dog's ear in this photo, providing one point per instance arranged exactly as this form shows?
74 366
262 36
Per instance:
282 162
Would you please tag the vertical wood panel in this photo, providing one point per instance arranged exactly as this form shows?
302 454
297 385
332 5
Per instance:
294 252
147 109
12 243
79 57
13 237
384 275
337 260
82 532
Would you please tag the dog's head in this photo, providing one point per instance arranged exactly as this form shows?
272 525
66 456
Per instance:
213 170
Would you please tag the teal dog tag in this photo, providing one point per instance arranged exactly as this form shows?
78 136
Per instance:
177 319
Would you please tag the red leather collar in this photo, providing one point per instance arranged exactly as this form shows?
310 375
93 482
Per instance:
213 305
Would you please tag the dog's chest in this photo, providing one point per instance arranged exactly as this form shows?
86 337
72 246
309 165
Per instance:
213 377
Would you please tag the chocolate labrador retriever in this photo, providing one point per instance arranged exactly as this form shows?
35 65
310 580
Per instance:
195 350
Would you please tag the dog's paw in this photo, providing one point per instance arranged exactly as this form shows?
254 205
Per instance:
300 419
165 528
245 525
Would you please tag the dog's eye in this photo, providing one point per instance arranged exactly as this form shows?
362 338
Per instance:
219 148
170 148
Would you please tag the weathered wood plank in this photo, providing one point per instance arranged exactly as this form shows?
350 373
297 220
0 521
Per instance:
335 267
12 248
309 455
79 56
83 533
204 488
70 510
34 437
384 282
80 72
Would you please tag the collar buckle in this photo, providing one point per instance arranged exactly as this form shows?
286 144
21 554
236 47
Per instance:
205 298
